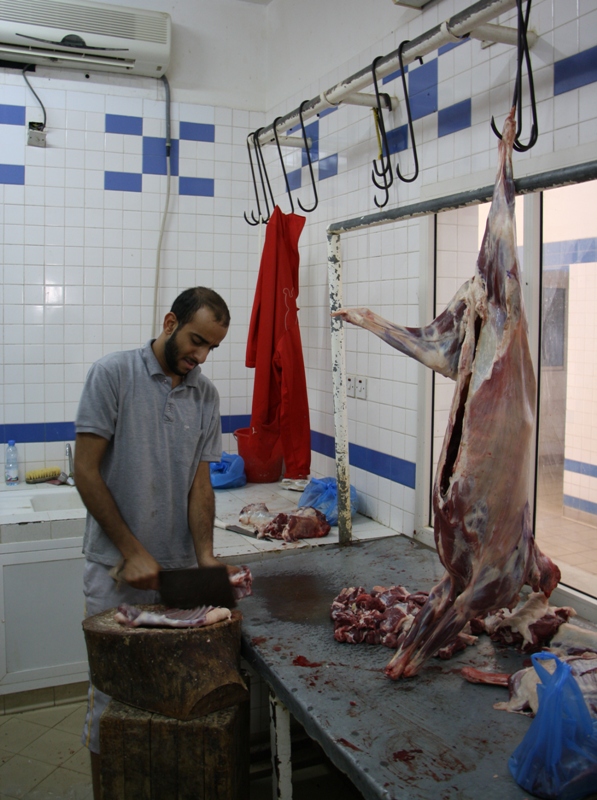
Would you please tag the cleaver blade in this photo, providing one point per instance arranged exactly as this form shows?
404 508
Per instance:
196 586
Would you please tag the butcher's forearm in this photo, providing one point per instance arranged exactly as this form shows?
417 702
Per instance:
202 511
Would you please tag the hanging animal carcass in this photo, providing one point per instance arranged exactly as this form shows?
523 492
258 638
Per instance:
482 520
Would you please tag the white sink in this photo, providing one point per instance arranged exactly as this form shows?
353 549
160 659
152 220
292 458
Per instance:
56 501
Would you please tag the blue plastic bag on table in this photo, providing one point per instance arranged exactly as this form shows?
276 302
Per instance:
322 494
229 473
558 756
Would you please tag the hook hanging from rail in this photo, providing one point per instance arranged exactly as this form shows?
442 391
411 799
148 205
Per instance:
307 210
385 170
523 54
282 163
259 216
263 174
409 116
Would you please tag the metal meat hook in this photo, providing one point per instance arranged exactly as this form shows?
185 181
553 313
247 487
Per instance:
263 174
409 116
259 217
522 55
385 171
307 210
283 167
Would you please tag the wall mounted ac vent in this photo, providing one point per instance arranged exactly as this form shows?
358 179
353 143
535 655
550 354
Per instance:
85 35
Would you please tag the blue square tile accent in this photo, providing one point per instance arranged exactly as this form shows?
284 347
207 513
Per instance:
582 505
12 173
197 132
393 75
154 156
12 115
397 139
327 111
312 132
450 46
120 123
422 86
454 118
123 181
199 187
575 71
294 179
328 167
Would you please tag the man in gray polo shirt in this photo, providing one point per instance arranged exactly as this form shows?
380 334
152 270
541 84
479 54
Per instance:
148 425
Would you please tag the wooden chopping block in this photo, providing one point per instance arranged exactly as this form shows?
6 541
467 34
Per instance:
147 756
183 673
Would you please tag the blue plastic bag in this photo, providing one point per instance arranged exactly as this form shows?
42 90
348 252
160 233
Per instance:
322 494
229 473
558 756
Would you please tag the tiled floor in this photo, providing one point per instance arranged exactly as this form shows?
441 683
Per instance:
42 756
572 545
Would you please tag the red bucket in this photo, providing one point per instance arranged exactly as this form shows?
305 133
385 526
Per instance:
256 470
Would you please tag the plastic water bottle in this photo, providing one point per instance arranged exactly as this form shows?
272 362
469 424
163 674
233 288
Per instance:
11 472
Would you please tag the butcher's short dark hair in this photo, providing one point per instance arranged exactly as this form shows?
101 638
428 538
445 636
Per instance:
190 301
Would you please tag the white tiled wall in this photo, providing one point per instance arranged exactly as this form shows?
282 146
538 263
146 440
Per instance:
79 261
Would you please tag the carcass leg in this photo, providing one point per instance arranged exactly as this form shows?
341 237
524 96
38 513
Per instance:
427 621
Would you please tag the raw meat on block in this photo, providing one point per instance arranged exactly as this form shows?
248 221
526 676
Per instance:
482 520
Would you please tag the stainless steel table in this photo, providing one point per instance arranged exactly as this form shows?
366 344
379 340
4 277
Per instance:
425 738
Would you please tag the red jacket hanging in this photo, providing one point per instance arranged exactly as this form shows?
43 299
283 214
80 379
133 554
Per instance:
280 412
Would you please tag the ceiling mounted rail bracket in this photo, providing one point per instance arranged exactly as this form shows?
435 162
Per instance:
370 100
489 34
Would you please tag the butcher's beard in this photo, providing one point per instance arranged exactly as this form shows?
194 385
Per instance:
172 355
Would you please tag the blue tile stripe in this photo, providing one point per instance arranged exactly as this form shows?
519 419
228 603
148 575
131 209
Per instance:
197 132
581 505
454 118
12 173
572 251
119 123
197 187
12 115
382 464
580 467
328 167
123 181
386 466
575 71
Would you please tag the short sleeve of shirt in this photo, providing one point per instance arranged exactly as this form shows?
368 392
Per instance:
98 406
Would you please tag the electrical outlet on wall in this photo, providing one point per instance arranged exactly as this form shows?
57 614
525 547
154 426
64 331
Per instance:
361 388
350 385
36 136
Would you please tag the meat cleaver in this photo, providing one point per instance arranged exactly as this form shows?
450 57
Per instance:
197 586
237 529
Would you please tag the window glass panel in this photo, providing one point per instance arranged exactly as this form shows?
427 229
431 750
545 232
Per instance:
566 510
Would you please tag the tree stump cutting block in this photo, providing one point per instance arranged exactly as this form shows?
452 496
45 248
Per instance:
147 756
183 673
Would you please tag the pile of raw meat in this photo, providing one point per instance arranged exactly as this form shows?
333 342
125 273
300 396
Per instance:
303 523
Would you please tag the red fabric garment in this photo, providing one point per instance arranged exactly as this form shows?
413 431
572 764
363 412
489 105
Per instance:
280 411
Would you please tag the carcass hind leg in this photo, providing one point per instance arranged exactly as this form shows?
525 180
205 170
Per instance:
440 599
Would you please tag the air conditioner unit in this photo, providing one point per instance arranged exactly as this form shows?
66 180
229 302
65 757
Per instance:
85 35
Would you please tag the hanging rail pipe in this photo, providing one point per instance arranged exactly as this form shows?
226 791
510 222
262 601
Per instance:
578 173
451 30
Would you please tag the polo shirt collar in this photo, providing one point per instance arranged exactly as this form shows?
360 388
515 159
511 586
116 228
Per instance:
154 368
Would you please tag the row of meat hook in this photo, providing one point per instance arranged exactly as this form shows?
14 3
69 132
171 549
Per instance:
523 55
264 178
384 170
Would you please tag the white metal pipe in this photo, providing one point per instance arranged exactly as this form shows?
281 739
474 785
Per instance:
500 33
339 390
370 100
293 141
450 30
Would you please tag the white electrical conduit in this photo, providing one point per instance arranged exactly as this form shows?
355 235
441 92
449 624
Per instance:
156 322
451 30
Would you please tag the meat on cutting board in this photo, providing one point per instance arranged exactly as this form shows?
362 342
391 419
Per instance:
302 523
482 520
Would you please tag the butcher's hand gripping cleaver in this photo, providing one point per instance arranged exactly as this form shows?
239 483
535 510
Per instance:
192 587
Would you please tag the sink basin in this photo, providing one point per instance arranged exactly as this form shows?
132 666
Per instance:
57 501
